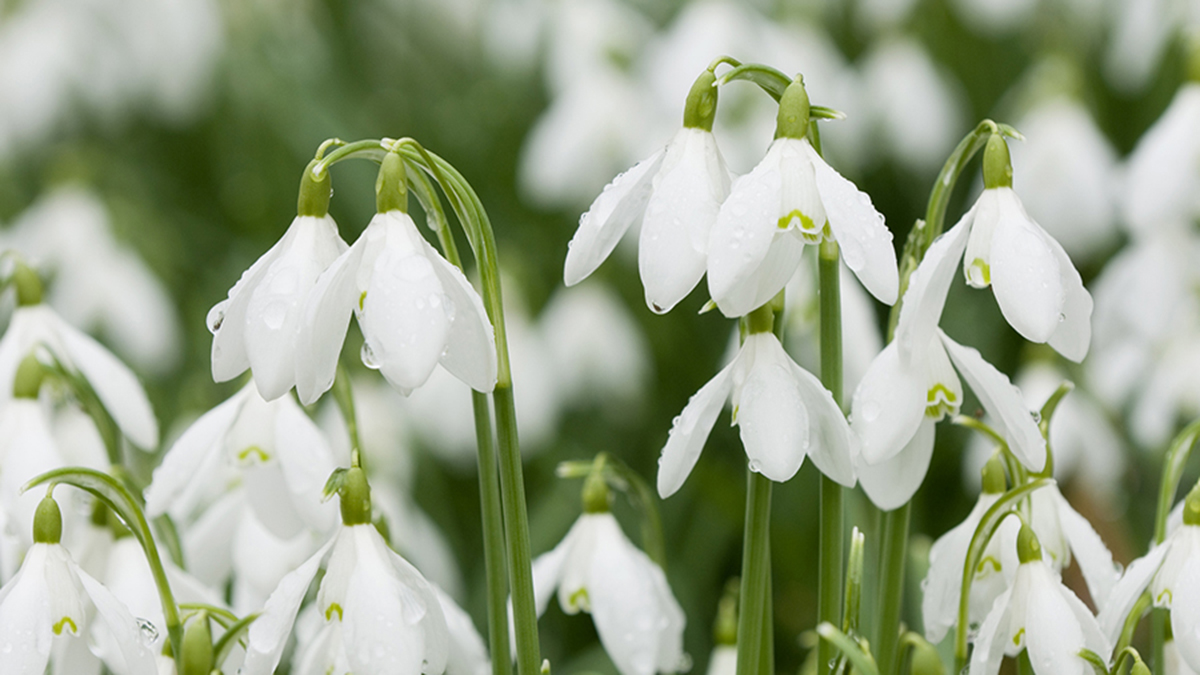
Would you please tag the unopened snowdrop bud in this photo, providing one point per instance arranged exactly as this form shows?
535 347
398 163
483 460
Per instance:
792 120
701 107
997 164
198 647
391 186
47 522
355 496
315 192
28 380
28 285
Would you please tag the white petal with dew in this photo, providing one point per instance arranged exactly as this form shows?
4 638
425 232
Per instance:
892 483
928 285
621 204
865 241
888 405
137 656
1125 594
832 446
471 344
1094 558
1053 636
269 633
1026 277
771 413
993 637
25 620
327 313
227 319
1074 333
383 631
1185 614
689 431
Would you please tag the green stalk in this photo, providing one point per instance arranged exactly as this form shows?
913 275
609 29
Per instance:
1173 464
753 623
829 594
489 478
891 573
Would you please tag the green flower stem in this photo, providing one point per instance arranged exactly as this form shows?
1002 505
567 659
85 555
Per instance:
829 594
1158 638
1173 464
478 228
345 402
753 621
489 477
891 573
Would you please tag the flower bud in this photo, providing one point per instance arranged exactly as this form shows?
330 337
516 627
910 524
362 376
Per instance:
47 522
701 106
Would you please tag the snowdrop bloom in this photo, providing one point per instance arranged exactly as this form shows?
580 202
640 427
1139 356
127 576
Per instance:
598 570
912 385
675 195
783 413
1040 615
1171 573
790 199
1037 287
389 618
415 309
1164 169
35 325
49 601
258 325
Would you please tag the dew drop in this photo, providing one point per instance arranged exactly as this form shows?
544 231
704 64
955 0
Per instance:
274 315
368 357
755 466
216 316
148 632
1061 317
870 411
435 300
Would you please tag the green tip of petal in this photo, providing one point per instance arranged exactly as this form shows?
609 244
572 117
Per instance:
1029 549
47 522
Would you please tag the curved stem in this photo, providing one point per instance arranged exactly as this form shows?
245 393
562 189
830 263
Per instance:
371 148
345 402
491 510
829 609
1173 463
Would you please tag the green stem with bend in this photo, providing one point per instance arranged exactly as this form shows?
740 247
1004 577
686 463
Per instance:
829 593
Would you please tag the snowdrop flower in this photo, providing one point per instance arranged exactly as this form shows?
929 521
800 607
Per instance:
1037 287
1040 615
1065 533
48 602
790 199
415 309
389 619
1171 573
783 413
675 195
942 586
1164 169
35 325
258 325
912 385
598 570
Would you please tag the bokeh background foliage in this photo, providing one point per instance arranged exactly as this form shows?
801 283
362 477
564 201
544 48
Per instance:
200 192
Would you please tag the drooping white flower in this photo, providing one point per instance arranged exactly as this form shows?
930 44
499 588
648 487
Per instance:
1040 615
790 199
415 309
1171 573
386 617
115 385
675 195
258 325
48 602
1040 293
595 568
912 384
783 413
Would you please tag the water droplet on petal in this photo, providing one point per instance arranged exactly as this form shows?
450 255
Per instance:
274 315
870 411
368 357
148 631
216 316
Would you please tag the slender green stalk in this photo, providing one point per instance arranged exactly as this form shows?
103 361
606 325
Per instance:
829 569
489 478
1158 638
891 601
753 621
1024 667
345 401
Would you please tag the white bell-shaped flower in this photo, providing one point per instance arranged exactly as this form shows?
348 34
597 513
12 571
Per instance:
258 325
783 413
675 195
912 384
1040 293
790 199
415 309
391 622
1171 573
1040 615
49 602
595 568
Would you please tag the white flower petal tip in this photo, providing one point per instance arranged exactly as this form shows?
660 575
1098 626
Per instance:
892 483
596 568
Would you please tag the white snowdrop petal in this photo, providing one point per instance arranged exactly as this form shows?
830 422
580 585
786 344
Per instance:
420 591
978 256
470 353
381 635
832 445
227 319
467 654
1002 401
893 482
1093 637
25 619
182 462
621 204
1025 272
548 571
1185 614
306 462
1094 558
771 414
669 265
269 632
1052 635
1128 589
928 285
742 236
127 634
866 242
943 582
1073 335
326 318
690 430
888 406
116 386
993 637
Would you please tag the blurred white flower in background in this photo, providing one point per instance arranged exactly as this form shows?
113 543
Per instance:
995 17
1141 32
97 282
1163 183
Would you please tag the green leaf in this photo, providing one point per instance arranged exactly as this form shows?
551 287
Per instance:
332 486
854 651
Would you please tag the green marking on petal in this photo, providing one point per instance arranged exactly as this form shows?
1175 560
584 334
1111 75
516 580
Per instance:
580 600
259 453
58 627
333 607
1167 594
362 299
1017 637
940 401
805 223
979 274
988 560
